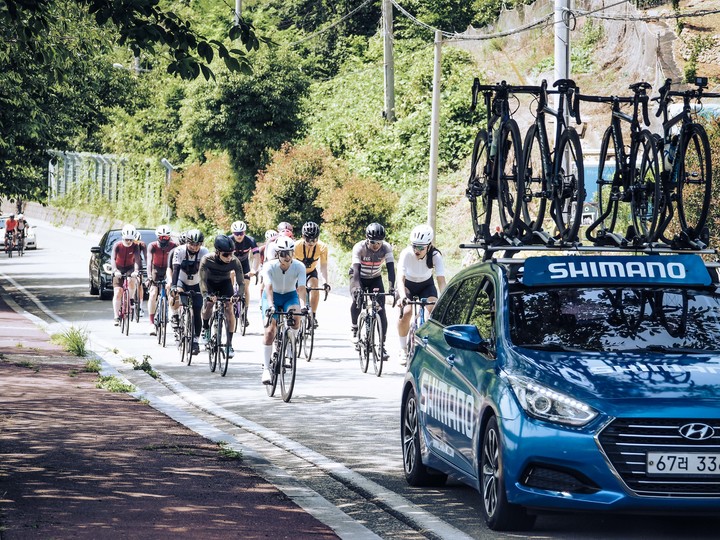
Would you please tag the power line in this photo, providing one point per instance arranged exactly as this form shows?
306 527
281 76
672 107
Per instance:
664 16
332 25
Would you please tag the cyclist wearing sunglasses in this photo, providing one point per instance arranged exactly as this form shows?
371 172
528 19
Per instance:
186 277
416 265
158 255
216 279
367 259
245 248
310 250
284 280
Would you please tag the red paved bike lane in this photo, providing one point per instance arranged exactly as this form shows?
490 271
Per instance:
77 461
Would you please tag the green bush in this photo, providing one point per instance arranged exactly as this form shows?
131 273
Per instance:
73 340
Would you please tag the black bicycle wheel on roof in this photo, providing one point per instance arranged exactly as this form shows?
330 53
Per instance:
479 188
694 180
510 178
609 184
647 201
534 202
568 190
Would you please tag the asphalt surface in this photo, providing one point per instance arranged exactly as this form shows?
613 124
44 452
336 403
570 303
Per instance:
78 461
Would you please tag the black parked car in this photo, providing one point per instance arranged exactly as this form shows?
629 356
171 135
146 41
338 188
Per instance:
99 268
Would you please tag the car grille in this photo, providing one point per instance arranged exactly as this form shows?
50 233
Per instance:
627 441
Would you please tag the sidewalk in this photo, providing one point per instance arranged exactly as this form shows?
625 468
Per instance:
77 461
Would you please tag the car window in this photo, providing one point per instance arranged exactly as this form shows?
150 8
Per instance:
458 310
482 311
443 302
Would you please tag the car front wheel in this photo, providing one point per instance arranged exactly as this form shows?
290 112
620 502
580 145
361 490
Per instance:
499 514
416 473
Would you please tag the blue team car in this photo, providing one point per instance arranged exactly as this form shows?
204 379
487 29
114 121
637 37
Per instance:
578 382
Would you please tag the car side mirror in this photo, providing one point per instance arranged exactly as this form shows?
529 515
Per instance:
466 337
96 249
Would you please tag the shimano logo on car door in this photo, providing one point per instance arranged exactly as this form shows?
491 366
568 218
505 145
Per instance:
447 404
636 270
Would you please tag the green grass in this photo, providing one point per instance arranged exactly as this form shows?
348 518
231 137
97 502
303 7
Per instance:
92 366
113 384
228 453
74 340
144 365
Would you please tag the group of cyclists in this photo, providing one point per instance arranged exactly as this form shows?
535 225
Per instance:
287 268
15 229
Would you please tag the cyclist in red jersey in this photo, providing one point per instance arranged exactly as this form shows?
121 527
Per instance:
125 258
158 253
10 231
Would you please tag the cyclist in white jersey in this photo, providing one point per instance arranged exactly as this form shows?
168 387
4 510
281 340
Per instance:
367 259
284 290
416 265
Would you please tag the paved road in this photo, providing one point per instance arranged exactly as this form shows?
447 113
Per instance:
340 433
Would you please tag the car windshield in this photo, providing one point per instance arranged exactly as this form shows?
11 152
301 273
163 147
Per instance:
616 319
147 236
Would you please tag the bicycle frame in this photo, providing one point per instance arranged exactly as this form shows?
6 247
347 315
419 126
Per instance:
187 324
161 311
370 335
218 348
283 364
418 319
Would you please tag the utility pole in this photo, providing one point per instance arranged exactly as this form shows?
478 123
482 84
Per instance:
562 40
238 11
434 131
389 112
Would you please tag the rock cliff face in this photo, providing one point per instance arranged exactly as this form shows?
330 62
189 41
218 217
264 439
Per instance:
636 45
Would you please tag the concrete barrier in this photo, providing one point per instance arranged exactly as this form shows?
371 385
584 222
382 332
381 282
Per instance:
62 217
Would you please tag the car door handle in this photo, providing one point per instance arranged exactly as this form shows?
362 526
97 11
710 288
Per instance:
450 360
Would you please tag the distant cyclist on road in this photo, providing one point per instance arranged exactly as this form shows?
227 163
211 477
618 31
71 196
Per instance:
22 228
125 259
10 232
158 258
367 259
310 250
284 230
247 252
416 265
186 276
284 280
216 273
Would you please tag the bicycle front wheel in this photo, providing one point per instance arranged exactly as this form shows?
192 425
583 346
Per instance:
694 181
309 336
376 339
534 200
568 193
608 186
243 318
478 189
125 310
275 363
363 343
213 346
510 177
646 203
189 330
223 347
288 367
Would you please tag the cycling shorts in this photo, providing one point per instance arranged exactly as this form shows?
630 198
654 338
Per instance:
420 289
283 302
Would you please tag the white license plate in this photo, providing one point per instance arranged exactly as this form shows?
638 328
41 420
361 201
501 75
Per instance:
683 463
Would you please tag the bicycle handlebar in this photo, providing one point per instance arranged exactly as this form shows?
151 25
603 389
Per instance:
270 313
326 289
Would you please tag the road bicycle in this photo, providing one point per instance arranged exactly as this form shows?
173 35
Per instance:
125 307
627 175
161 312
495 182
418 319
370 336
186 328
240 308
135 303
283 363
218 346
9 243
686 168
306 334
552 174
20 242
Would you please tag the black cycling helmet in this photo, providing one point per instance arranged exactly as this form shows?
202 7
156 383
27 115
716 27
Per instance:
375 231
224 243
311 230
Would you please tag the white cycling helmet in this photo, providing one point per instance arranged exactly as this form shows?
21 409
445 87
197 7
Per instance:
138 236
422 235
21 216
238 227
163 230
285 243
270 234
128 232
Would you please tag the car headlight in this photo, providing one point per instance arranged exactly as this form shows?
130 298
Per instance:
107 268
549 405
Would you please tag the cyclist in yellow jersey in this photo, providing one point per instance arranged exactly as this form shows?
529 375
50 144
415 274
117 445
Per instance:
309 251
